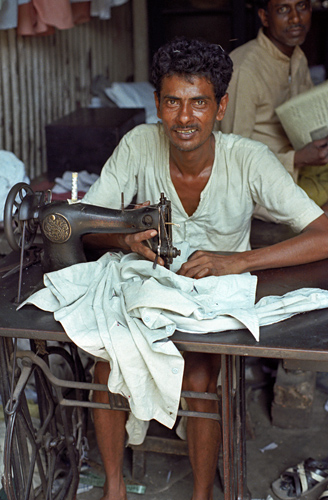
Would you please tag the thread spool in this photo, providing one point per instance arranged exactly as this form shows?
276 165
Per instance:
74 187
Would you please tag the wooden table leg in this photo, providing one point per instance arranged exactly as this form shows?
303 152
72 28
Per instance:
240 430
227 427
234 429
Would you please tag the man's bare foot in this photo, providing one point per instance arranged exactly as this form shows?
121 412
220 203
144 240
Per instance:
114 493
114 497
202 497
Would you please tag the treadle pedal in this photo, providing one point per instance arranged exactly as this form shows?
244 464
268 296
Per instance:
3 495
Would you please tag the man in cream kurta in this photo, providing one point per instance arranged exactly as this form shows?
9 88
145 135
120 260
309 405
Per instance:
263 79
244 170
213 182
268 71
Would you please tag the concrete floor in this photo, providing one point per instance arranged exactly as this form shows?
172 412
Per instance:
169 477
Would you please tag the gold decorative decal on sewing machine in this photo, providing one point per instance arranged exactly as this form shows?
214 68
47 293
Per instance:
56 228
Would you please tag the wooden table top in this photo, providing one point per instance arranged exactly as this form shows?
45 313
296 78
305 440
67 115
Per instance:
304 336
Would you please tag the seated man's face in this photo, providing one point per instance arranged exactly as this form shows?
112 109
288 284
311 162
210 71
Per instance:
188 109
286 23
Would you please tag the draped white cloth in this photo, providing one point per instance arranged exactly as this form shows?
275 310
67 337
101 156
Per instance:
122 310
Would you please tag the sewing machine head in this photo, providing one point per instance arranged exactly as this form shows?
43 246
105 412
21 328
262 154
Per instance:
63 223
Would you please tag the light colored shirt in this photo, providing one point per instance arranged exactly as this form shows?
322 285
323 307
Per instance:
263 78
244 173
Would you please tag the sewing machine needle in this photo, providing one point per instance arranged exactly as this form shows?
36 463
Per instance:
155 261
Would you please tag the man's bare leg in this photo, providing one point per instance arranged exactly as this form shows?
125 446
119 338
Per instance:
204 435
110 433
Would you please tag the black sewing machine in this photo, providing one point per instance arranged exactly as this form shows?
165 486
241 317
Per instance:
63 223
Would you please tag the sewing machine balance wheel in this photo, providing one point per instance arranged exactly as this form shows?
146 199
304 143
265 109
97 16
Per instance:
14 221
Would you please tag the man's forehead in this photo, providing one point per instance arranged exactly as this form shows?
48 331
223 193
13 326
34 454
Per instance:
193 84
281 3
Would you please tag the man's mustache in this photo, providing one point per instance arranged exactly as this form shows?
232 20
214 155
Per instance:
187 127
296 26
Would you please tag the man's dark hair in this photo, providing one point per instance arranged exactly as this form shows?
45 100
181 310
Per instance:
262 4
189 58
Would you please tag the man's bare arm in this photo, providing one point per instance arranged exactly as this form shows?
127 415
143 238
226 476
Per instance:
309 246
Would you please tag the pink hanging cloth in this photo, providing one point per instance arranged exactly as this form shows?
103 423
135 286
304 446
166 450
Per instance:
41 17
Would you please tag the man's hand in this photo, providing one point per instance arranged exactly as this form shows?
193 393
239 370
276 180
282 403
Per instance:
313 154
202 264
308 246
138 243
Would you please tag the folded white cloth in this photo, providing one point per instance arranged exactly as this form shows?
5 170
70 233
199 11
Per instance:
122 310
102 8
85 179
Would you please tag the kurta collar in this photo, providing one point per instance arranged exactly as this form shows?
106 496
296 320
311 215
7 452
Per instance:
273 51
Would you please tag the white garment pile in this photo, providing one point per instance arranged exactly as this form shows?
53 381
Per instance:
122 310
12 171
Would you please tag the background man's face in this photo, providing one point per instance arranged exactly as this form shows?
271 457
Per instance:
286 23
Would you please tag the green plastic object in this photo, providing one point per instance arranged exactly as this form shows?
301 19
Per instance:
94 479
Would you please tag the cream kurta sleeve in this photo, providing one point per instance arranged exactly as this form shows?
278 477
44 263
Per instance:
240 116
243 114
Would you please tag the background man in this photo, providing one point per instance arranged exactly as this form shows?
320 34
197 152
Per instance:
267 72
213 182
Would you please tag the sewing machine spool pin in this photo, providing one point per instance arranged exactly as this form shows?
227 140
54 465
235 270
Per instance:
63 224
74 195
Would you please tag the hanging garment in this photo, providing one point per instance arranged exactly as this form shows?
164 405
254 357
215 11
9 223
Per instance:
81 11
102 8
41 17
8 14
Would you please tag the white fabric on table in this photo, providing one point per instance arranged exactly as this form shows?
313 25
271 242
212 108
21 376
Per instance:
122 310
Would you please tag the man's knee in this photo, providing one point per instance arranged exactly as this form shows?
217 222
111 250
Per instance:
201 373
200 381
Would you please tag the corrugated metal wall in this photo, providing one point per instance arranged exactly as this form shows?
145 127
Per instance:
44 78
